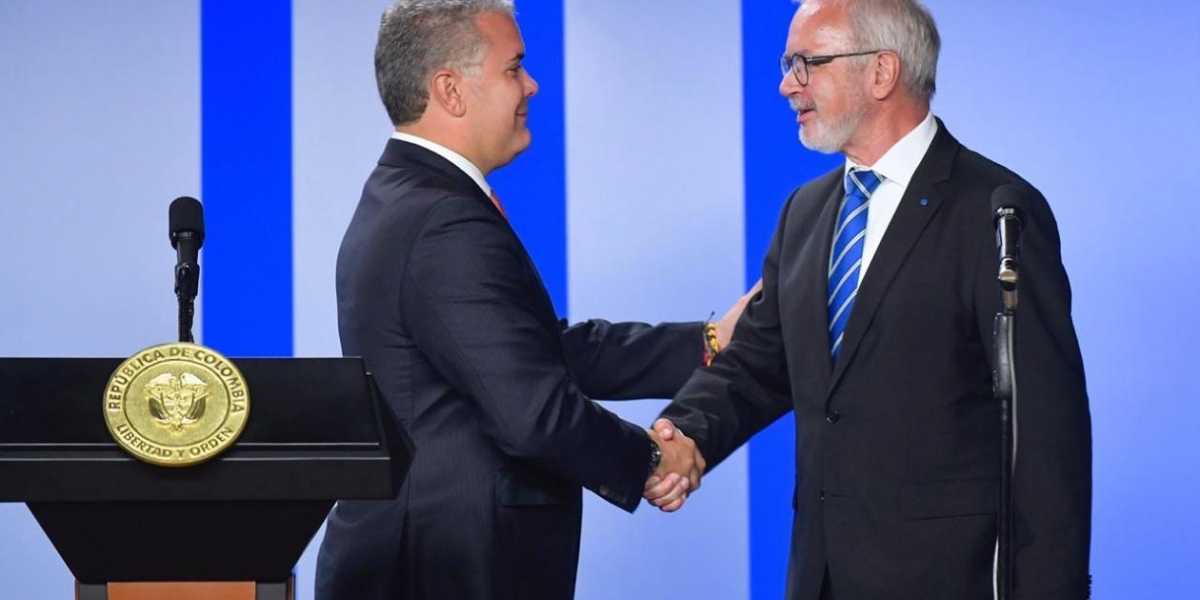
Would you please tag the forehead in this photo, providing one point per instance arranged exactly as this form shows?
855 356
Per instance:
818 27
503 36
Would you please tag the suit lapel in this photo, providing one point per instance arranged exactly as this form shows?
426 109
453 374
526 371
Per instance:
816 280
917 208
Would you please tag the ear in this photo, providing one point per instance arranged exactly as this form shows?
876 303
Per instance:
887 75
446 90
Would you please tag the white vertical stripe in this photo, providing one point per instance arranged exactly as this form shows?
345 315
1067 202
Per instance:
339 131
99 131
655 232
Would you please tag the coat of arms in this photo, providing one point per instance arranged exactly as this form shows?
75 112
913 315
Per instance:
176 402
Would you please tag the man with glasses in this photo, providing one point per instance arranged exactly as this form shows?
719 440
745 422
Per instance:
874 325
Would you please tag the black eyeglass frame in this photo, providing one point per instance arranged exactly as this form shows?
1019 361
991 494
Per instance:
788 63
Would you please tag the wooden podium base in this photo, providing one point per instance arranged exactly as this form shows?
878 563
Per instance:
187 590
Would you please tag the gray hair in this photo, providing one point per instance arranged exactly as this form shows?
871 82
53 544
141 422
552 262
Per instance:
905 27
418 37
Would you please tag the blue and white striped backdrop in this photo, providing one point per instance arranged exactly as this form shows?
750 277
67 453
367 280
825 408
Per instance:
662 155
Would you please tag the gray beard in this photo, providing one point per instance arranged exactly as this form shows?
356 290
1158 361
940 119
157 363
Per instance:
833 137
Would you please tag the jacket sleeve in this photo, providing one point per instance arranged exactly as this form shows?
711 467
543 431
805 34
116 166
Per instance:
1053 479
470 299
746 388
622 361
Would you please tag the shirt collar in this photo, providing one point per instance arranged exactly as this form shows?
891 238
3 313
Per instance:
901 160
455 158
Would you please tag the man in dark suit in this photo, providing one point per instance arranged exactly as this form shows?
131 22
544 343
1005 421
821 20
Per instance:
437 294
874 326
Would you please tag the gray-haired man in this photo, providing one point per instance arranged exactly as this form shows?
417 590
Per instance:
874 328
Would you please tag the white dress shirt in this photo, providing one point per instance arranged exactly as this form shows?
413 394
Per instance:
895 168
455 158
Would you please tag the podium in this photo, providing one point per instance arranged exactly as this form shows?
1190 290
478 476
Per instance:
231 528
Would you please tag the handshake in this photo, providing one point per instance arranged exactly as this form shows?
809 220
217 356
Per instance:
679 470
681 465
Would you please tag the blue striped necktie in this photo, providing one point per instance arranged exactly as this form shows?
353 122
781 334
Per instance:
845 263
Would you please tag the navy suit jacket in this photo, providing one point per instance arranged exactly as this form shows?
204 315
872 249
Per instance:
897 445
437 294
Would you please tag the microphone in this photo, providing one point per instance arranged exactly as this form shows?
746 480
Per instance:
187 235
1006 201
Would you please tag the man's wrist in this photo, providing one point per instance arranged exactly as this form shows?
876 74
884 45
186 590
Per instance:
655 457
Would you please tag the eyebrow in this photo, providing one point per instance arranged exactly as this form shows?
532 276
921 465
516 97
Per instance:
517 59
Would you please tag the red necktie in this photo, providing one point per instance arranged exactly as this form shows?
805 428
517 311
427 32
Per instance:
499 207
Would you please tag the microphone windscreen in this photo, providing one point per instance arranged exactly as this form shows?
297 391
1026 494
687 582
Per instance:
1008 196
186 215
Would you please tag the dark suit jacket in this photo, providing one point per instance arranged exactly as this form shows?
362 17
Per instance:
897 445
437 294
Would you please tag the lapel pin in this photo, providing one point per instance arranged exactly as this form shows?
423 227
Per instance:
924 202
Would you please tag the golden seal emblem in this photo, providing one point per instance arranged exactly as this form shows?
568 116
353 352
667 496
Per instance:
176 404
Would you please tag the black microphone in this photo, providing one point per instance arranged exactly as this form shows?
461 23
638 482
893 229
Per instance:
1006 201
187 235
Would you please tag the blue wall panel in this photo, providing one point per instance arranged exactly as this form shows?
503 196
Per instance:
246 90
533 187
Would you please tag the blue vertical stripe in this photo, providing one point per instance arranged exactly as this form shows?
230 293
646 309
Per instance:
775 164
534 186
246 95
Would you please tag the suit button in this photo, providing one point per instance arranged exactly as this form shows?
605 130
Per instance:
822 497
832 416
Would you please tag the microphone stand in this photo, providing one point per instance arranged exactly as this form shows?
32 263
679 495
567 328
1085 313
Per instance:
187 281
187 308
1004 388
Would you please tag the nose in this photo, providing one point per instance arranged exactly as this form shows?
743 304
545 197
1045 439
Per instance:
531 85
788 86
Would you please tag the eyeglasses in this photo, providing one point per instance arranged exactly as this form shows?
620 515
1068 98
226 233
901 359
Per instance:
798 64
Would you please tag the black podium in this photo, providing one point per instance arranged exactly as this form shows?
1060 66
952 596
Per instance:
317 432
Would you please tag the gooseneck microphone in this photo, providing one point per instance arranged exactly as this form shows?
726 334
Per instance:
187 236
1006 201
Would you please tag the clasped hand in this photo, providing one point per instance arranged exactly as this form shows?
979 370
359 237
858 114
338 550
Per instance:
679 470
